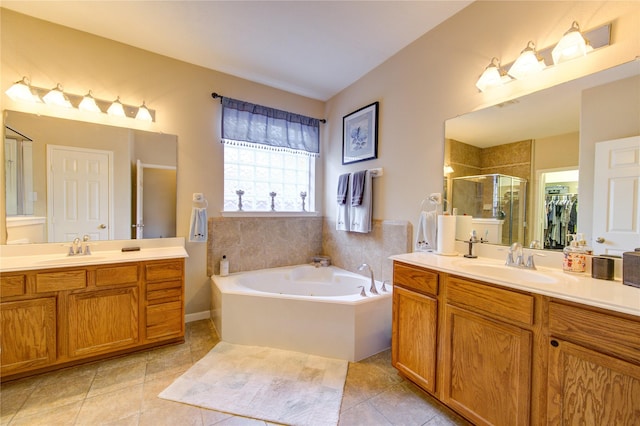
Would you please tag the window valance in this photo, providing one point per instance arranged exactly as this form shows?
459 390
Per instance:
247 123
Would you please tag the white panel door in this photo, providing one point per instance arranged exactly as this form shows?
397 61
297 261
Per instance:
78 200
616 196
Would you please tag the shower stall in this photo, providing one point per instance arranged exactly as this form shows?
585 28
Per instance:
497 203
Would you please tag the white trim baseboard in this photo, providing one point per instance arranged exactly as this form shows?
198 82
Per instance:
197 316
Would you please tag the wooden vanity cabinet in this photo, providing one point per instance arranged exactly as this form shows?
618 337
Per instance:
487 352
104 317
414 324
59 317
510 357
594 366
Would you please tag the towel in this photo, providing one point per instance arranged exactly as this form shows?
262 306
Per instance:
426 231
343 186
358 187
361 215
198 228
342 217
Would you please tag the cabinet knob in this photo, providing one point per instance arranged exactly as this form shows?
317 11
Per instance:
102 226
599 240
555 343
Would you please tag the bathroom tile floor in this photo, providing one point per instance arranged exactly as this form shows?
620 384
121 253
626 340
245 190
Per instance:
123 391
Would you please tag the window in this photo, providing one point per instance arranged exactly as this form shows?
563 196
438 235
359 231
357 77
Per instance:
268 151
259 171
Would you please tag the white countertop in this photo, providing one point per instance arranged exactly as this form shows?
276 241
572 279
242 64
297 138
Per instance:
54 255
553 282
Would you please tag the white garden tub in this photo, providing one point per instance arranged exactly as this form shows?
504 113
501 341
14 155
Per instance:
315 310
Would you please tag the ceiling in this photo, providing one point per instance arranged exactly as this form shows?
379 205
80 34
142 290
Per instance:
311 48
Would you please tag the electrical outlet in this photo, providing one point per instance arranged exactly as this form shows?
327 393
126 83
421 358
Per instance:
436 197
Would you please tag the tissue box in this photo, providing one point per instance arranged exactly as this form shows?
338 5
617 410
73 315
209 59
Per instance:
631 268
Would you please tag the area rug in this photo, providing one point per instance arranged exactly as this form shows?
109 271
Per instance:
263 383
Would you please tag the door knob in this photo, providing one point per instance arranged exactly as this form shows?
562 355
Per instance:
599 240
102 226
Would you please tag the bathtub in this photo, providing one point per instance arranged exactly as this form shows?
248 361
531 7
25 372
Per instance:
315 310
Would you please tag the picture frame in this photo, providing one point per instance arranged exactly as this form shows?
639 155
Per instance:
360 134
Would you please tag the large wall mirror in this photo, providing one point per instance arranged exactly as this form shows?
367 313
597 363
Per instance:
514 167
66 179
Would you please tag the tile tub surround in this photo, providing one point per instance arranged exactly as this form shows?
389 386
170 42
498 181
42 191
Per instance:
267 242
262 242
350 249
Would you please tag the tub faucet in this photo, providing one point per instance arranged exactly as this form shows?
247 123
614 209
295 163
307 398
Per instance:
373 289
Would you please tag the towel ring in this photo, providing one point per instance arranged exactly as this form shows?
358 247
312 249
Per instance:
199 203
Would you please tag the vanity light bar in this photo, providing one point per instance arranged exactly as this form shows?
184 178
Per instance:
20 91
496 75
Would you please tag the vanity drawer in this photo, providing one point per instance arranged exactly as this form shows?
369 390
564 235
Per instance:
160 271
13 285
165 320
60 281
599 330
163 295
414 278
117 275
490 300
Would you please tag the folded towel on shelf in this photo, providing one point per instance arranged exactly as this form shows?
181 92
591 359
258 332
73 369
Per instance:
343 186
358 187
360 216
198 227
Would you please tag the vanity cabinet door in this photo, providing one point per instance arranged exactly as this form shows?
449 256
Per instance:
414 334
102 321
587 387
487 368
28 334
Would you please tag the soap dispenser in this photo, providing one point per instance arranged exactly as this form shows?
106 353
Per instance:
224 266
575 257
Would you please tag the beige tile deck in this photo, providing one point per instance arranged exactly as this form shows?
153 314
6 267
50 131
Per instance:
123 391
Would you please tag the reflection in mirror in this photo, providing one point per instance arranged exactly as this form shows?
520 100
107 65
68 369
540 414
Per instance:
534 138
82 180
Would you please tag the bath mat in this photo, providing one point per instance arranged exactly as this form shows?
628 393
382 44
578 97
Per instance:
263 383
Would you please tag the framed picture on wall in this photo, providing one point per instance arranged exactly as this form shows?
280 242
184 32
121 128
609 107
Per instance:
360 135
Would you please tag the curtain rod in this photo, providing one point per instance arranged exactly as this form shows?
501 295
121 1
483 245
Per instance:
214 95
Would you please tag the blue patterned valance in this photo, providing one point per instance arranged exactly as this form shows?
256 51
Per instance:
247 123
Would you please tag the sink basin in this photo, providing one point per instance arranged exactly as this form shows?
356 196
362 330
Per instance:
506 273
68 260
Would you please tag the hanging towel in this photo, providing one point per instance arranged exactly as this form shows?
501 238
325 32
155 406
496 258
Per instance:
361 215
343 186
358 187
342 217
198 228
431 227
426 231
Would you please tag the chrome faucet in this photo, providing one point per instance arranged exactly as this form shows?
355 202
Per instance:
373 289
76 246
518 262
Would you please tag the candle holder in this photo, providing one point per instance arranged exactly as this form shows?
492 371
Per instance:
303 195
273 203
240 193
